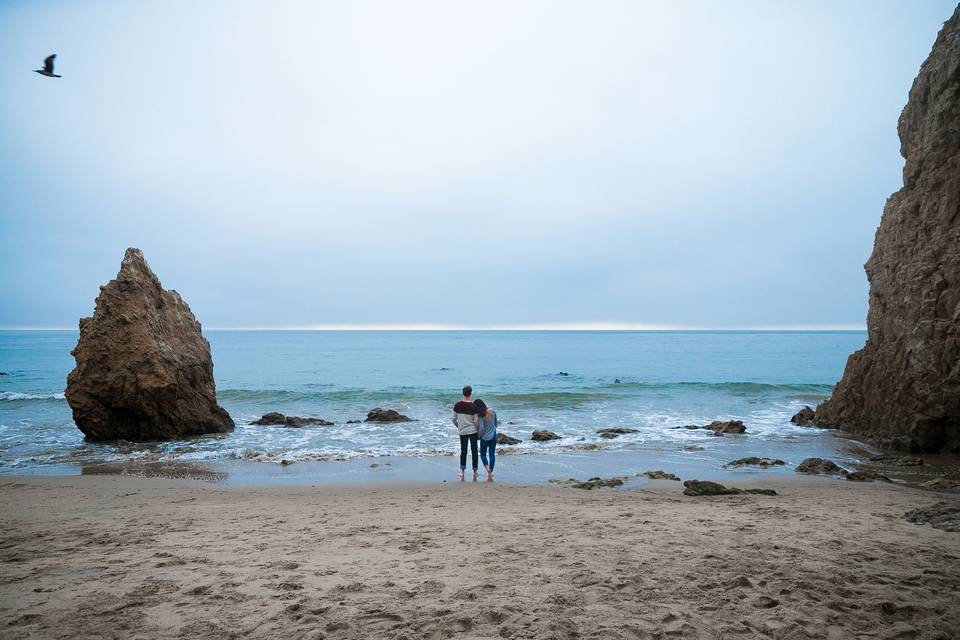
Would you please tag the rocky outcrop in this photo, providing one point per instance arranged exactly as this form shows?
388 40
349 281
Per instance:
803 417
707 488
592 483
719 427
660 475
820 466
542 435
753 461
615 432
504 439
386 416
143 369
277 418
902 389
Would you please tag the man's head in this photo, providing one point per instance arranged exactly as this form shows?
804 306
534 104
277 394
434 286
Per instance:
467 391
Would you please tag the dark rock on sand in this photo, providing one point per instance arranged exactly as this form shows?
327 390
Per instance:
754 461
942 484
866 476
503 438
542 435
609 434
275 417
660 475
803 417
707 488
592 483
942 515
903 387
898 461
820 466
386 416
143 368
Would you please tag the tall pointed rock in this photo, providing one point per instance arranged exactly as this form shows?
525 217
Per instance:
903 388
144 370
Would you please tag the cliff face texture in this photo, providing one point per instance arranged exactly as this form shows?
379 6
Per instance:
143 370
903 388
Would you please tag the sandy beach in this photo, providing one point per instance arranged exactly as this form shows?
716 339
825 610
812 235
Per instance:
122 557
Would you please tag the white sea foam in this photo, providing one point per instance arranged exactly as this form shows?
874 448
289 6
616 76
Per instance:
13 396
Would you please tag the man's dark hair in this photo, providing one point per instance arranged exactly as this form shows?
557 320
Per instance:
467 391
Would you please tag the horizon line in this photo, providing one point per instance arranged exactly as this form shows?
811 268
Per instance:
571 326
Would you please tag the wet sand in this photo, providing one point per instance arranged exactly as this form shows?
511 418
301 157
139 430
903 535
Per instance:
111 556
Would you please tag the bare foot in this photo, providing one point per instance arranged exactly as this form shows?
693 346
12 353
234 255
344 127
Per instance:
489 476
475 476
460 475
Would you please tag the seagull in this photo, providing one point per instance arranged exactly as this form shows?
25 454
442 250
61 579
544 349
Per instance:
48 67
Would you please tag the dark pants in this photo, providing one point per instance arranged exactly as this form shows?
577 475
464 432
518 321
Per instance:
472 439
488 446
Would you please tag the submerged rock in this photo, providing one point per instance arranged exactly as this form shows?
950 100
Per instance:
754 461
609 434
718 427
660 475
903 387
542 435
820 466
503 438
707 488
942 515
144 370
275 417
803 417
386 416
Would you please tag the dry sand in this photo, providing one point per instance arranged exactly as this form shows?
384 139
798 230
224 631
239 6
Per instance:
120 557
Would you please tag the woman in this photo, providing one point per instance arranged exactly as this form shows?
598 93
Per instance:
487 430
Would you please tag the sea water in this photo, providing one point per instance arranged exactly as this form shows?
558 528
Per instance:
570 382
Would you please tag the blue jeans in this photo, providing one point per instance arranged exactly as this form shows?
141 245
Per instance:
491 446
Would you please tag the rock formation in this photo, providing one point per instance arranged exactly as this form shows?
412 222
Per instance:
903 388
504 439
143 370
386 416
542 435
820 466
277 418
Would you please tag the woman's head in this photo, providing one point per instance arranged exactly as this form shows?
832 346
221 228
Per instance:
481 406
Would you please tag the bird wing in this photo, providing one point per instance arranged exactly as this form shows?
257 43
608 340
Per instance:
48 63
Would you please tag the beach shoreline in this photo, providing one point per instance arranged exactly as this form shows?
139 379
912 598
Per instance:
120 556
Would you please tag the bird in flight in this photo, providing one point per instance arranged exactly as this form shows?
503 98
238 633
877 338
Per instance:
48 67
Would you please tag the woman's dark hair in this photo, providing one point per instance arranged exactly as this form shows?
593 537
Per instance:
479 404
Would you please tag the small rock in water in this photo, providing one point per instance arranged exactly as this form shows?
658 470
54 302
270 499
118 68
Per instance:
609 434
286 462
660 475
542 435
941 515
4 373
754 461
820 466
277 418
563 373
616 381
803 417
718 427
385 416
693 447
503 438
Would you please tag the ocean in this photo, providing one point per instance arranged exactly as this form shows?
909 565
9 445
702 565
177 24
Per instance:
563 381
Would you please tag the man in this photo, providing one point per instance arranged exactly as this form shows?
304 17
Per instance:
466 421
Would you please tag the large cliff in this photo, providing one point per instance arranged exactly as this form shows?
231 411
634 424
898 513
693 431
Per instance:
902 389
144 371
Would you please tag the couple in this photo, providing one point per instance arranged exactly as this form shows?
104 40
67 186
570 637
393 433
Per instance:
473 420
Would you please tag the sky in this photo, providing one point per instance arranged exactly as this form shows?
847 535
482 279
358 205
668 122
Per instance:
443 163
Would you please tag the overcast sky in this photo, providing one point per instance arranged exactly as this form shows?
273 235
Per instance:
708 164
